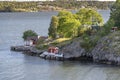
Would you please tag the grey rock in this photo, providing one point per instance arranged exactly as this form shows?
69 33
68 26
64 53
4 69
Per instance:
73 50
108 48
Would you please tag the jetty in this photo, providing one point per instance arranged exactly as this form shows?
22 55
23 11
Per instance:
30 50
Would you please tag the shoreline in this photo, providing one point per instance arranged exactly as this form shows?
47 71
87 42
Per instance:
32 51
1 11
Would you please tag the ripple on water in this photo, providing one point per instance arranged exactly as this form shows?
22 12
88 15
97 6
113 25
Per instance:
12 72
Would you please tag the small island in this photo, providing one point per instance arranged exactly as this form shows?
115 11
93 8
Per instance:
78 36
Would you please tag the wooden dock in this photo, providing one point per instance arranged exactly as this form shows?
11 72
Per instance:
27 50
52 56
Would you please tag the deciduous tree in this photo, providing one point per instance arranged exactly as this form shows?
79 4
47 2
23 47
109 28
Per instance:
52 31
115 13
29 33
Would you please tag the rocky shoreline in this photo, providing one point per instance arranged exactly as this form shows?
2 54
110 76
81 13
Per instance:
106 51
32 51
27 50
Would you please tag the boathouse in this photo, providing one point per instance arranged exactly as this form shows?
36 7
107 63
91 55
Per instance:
31 41
54 50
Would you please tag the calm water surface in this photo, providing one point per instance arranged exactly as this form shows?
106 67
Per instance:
16 66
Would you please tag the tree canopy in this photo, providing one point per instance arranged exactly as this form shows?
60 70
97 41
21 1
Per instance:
115 13
89 16
70 25
29 33
52 30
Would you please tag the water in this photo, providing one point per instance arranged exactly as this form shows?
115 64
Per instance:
17 66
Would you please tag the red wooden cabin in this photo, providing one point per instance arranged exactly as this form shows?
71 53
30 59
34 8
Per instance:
53 50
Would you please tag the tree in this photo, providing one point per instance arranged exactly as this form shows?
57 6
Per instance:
88 18
52 31
68 24
115 13
65 13
68 28
8 9
29 33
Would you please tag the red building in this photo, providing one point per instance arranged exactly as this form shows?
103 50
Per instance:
30 41
53 50
33 40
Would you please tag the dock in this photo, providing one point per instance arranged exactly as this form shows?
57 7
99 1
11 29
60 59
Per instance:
52 56
27 50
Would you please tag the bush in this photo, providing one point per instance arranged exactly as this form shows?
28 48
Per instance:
89 42
29 33
42 47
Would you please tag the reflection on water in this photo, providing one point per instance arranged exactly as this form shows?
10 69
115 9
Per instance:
17 66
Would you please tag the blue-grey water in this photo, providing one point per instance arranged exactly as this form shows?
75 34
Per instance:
17 66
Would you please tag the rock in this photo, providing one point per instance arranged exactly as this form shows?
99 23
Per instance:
20 48
73 50
106 51
108 48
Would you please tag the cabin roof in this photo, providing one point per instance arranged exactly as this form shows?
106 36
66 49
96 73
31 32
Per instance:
35 38
43 37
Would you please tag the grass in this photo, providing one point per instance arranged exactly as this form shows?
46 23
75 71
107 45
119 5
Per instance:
58 42
61 40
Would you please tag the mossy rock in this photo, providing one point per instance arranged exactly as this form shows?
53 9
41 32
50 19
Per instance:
108 47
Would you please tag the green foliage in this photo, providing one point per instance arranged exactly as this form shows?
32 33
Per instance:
61 43
65 13
8 9
29 33
89 42
53 27
115 13
68 28
69 25
89 18
106 28
7 6
42 47
40 41
74 4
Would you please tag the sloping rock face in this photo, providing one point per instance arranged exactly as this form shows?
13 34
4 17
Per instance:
108 49
73 50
